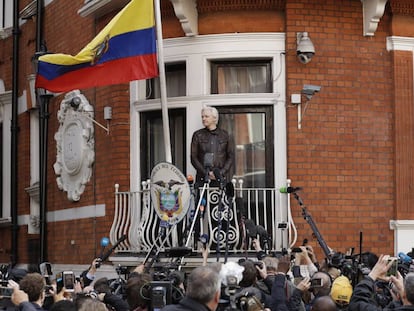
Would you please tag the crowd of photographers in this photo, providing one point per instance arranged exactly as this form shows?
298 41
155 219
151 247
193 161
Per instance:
272 282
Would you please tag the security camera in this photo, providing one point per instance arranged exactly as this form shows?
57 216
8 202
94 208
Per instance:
305 49
309 89
75 102
305 57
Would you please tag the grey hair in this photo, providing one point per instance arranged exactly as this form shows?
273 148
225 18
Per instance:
213 111
409 287
202 284
271 263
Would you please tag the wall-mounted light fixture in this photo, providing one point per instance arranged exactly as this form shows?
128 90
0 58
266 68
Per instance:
308 91
305 48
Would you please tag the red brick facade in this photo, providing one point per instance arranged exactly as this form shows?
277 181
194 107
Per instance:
353 155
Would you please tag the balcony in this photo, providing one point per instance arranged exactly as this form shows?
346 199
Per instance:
225 220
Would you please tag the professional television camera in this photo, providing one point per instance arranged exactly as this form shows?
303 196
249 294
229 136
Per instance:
354 267
233 297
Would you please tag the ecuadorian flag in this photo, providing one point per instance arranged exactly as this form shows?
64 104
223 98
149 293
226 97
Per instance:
123 51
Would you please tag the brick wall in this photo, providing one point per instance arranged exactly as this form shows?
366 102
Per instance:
343 156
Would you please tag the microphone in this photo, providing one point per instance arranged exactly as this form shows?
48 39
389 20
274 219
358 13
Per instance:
192 213
404 257
202 207
109 252
229 190
104 243
164 225
208 164
289 189
204 239
217 175
251 228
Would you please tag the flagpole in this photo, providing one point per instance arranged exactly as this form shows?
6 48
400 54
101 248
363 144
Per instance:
163 89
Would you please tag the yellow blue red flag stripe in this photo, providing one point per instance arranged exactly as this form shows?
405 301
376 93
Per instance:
123 51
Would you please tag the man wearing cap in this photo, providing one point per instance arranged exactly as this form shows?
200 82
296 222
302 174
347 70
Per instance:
341 292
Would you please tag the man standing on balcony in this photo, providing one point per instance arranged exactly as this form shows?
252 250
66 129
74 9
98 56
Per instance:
212 150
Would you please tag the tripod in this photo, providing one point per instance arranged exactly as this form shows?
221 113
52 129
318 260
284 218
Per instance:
199 204
165 232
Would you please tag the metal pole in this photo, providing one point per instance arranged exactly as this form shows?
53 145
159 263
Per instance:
43 132
43 101
14 131
163 89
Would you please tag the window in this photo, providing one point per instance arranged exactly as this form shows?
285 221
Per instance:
229 77
6 14
175 77
251 128
152 140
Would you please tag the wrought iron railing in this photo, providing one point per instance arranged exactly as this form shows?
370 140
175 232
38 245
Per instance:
222 218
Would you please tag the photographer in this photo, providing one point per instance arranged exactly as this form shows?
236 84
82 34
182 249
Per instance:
29 294
202 292
303 265
267 273
104 294
88 276
363 297
138 290
321 284
285 295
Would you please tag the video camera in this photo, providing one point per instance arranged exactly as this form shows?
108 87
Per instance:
165 288
234 298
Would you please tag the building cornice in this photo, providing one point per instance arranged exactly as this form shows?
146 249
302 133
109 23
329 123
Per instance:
402 7
396 43
207 6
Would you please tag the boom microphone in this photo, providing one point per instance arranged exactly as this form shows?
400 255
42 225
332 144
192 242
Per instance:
289 189
106 255
104 243
404 257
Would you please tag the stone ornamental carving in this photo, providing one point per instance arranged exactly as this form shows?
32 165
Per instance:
75 142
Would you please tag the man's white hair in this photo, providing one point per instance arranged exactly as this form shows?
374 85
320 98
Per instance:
213 111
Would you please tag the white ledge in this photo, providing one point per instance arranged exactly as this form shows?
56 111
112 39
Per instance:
396 43
401 224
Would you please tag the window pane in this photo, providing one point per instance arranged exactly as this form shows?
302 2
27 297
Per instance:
241 77
6 14
250 131
175 76
152 142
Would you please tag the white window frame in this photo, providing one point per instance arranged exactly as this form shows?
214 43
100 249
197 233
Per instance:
8 14
197 52
5 119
